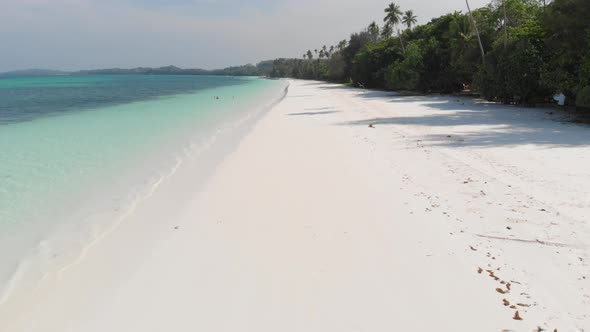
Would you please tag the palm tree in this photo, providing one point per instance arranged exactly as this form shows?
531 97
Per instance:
392 17
409 19
373 30
386 32
483 55
342 45
393 14
461 34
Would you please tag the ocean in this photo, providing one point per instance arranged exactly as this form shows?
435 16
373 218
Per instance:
77 153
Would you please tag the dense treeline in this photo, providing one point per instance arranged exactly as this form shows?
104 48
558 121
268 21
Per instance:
261 69
514 51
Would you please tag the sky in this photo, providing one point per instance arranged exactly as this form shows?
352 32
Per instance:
91 34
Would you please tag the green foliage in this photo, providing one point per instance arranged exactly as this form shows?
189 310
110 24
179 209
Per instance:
584 79
567 29
393 14
371 61
583 98
335 68
356 43
514 69
449 50
530 50
373 30
405 74
514 74
409 19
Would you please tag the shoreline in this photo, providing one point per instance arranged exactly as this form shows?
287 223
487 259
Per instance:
347 210
33 271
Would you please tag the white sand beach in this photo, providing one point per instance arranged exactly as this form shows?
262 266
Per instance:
350 210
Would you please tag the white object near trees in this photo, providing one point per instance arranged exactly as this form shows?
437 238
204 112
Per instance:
560 99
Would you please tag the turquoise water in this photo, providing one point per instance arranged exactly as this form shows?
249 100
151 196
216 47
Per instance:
77 151
25 99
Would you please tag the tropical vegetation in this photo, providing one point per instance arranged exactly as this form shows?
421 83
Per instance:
512 51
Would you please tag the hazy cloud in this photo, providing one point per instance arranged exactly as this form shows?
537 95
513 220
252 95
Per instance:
81 34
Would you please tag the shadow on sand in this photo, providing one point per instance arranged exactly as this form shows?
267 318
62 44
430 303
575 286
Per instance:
313 113
479 123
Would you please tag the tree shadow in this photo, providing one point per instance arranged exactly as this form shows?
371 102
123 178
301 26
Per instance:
299 96
366 93
313 113
314 83
318 108
478 123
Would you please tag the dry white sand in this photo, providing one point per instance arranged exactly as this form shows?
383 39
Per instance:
319 222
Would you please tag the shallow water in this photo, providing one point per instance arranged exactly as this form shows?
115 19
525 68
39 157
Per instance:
77 152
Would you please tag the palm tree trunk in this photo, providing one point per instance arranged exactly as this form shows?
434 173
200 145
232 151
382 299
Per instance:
401 40
505 25
483 55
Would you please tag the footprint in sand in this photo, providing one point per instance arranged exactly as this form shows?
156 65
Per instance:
517 316
501 291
